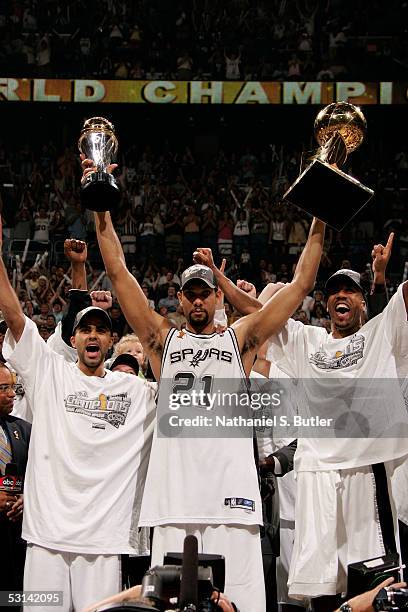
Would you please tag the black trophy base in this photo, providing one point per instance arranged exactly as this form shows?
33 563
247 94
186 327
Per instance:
100 192
328 194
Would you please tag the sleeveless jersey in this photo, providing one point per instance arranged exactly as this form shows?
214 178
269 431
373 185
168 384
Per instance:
200 480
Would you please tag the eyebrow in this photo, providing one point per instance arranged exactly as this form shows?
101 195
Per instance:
97 325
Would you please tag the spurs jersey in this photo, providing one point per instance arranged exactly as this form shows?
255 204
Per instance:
200 480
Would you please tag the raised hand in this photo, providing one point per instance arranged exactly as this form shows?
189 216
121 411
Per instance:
204 257
75 250
247 287
381 256
88 167
101 299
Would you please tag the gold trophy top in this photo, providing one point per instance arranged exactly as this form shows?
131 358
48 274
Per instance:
102 126
344 119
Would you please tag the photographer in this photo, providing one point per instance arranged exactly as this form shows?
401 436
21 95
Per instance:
133 595
365 601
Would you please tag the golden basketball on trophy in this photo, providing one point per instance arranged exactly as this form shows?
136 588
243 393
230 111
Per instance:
323 189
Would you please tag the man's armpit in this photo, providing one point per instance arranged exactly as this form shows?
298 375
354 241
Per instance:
154 343
251 343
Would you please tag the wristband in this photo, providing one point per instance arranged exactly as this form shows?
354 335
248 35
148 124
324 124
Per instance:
220 317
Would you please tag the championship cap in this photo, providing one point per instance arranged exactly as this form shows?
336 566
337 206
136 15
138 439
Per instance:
126 359
349 277
200 273
90 310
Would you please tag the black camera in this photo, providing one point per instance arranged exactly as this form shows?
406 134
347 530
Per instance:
163 583
161 591
185 587
387 599
365 575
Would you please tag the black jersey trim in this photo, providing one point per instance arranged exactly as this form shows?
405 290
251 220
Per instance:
235 345
384 507
194 335
166 347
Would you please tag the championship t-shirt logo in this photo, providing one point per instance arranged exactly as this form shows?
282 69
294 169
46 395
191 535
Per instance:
110 408
353 352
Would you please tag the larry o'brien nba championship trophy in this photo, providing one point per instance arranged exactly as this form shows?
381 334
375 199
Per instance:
322 189
99 191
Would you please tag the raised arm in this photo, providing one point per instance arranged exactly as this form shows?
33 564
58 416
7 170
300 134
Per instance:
76 252
9 302
151 328
239 299
253 330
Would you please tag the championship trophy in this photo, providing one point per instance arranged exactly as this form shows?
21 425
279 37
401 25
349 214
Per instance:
99 190
322 189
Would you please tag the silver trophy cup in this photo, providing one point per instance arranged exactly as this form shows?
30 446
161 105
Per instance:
99 190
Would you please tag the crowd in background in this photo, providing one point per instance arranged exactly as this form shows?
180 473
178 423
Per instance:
204 39
172 203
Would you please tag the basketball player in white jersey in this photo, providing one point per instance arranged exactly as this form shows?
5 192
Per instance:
344 483
206 487
88 455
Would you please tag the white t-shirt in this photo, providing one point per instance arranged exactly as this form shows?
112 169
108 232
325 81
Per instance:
58 345
41 228
89 450
379 350
200 480
21 407
269 445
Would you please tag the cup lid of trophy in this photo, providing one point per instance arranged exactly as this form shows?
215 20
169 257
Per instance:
341 118
98 124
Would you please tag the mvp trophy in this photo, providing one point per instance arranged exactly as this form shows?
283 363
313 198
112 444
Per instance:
99 190
323 190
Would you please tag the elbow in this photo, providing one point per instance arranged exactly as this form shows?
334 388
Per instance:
304 285
16 324
116 269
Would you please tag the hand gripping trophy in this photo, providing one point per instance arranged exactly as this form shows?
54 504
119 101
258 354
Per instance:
98 142
322 189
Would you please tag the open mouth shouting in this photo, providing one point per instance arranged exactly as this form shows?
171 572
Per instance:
93 351
342 310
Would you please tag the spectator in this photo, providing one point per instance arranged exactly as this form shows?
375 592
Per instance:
41 318
14 444
225 234
147 237
232 66
171 302
241 233
24 225
184 66
42 226
191 239
209 229
118 320
177 317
